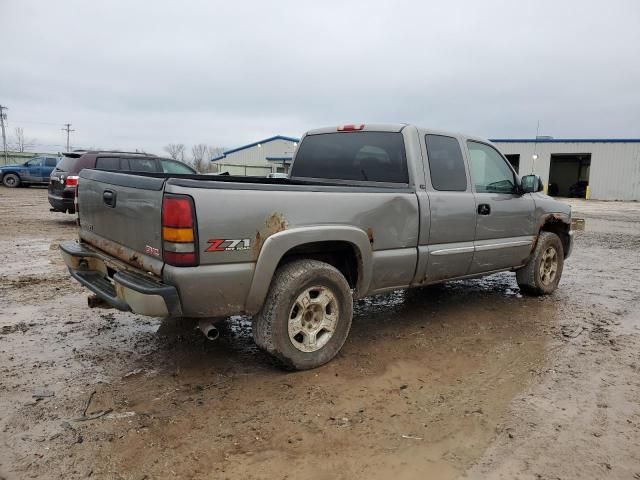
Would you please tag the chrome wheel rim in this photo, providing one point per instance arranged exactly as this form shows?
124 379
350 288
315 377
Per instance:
313 319
549 266
10 181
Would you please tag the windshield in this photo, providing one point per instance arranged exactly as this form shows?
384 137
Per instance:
364 156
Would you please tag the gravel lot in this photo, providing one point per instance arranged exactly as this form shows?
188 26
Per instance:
468 379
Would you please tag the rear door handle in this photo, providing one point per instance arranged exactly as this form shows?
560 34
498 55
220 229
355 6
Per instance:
484 209
109 198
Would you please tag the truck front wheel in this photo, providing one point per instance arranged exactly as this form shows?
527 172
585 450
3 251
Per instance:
542 274
306 316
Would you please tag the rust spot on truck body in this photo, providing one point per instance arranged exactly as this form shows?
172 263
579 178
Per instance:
370 235
130 258
552 222
273 224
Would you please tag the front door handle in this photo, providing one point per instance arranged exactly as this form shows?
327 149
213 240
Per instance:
109 198
484 209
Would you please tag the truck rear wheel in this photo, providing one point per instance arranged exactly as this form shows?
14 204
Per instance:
11 180
542 274
306 316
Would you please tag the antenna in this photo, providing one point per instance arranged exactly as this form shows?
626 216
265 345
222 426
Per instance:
534 157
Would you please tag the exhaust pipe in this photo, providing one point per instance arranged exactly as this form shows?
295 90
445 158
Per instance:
208 329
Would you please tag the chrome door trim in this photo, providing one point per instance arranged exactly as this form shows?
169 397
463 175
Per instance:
452 251
497 246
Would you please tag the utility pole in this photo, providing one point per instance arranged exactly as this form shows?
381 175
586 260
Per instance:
67 128
3 116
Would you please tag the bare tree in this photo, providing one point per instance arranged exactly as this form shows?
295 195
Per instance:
213 152
175 150
20 143
200 161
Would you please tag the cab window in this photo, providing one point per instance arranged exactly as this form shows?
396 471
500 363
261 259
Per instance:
489 171
360 156
446 164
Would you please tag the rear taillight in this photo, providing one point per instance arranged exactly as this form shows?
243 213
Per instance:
179 239
351 127
71 181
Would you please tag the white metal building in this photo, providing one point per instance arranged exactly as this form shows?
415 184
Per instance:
610 167
260 158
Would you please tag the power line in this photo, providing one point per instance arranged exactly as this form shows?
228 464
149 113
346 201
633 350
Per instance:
4 137
67 128
20 122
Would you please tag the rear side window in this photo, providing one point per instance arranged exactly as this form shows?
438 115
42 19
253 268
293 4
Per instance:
171 166
142 165
446 163
108 163
51 161
364 156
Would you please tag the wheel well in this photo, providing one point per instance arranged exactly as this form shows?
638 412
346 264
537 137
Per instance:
560 228
341 255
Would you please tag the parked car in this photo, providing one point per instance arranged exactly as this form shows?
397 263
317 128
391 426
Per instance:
35 171
366 210
63 180
579 189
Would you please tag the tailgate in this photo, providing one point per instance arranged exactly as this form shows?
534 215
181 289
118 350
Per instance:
121 214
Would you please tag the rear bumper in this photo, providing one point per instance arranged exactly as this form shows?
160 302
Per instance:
62 203
126 290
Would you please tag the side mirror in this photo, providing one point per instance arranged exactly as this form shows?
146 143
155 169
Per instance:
531 184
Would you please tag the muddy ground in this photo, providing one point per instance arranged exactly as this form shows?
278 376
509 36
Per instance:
467 380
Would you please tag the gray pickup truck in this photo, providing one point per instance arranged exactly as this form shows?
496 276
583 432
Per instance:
366 209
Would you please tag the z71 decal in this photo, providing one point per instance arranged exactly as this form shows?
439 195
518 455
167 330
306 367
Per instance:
226 245
149 250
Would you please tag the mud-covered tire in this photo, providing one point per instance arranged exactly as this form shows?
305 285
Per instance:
535 278
274 324
11 180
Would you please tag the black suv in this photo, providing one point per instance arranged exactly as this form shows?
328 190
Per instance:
64 178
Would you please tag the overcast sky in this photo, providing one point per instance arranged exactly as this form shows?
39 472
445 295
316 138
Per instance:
132 74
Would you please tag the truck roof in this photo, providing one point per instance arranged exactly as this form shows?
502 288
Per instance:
367 127
392 127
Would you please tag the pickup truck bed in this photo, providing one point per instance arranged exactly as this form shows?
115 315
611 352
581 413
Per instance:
381 221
